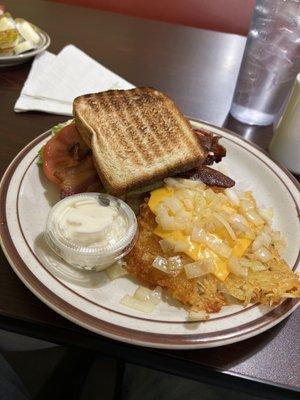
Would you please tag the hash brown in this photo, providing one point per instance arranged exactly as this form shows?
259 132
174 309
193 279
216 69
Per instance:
208 293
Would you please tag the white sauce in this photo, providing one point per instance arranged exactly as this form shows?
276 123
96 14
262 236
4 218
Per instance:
91 230
85 222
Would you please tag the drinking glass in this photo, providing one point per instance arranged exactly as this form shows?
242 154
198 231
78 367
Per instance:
285 144
270 63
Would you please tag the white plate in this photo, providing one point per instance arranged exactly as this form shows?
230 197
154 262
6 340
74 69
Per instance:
89 299
6 61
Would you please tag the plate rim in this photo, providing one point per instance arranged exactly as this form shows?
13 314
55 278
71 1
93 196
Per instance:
115 331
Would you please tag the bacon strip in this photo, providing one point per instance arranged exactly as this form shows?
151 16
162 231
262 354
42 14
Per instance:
209 176
79 178
214 153
210 143
69 163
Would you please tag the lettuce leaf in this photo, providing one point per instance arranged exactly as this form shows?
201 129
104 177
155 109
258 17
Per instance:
40 160
58 128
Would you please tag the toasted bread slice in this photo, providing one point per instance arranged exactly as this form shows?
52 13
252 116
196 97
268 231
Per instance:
137 137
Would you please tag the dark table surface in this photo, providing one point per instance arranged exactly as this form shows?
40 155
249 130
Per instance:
198 69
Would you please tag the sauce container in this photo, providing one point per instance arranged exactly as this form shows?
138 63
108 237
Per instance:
91 230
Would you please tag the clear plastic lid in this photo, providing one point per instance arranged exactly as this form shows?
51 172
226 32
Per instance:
117 238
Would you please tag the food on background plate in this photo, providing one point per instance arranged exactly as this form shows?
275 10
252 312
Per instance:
204 242
17 35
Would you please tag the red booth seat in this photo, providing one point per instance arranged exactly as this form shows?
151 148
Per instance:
231 16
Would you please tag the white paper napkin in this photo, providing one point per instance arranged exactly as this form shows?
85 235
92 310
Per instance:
54 81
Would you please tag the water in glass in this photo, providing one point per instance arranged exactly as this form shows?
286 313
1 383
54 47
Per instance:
270 63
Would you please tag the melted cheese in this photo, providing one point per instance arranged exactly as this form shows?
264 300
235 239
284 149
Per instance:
221 270
240 247
195 250
159 195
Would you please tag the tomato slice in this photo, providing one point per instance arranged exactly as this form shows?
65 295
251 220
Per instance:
56 153
68 162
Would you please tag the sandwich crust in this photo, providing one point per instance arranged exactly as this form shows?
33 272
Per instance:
137 137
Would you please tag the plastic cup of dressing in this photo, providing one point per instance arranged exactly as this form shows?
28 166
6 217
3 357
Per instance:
91 230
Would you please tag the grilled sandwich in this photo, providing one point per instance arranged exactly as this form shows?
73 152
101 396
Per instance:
137 137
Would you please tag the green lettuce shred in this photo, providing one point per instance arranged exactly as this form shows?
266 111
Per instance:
41 156
58 127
